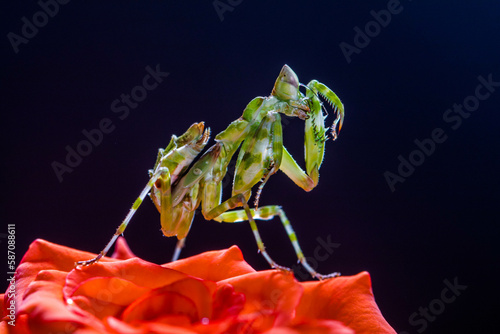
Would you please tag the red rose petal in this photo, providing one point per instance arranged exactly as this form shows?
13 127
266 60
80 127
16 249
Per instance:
213 266
122 250
117 326
43 255
106 296
96 307
53 296
271 297
313 327
227 303
269 289
160 303
44 303
140 272
197 290
348 299
110 289
194 298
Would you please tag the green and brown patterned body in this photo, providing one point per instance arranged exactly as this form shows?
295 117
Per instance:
177 189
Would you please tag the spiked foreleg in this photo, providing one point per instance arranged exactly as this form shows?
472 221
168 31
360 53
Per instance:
314 138
314 147
333 100
119 231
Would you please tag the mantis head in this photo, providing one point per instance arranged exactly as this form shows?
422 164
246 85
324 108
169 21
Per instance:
286 86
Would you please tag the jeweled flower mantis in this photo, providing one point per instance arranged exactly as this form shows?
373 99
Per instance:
179 183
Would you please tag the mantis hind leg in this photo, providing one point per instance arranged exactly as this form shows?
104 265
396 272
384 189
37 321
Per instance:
178 247
162 172
268 213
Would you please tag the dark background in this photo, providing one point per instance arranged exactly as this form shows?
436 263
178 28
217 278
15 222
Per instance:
441 223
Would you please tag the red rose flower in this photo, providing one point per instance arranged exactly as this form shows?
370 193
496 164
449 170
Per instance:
214 292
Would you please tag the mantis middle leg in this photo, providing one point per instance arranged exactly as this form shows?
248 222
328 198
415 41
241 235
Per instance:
267 213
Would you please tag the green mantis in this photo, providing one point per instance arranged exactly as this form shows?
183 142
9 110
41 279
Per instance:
179 183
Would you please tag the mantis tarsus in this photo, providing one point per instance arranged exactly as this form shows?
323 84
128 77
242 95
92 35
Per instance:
179 183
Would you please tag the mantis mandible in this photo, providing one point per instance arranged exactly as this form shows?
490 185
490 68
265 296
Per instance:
179 183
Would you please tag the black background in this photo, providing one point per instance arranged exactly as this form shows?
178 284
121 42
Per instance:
441 223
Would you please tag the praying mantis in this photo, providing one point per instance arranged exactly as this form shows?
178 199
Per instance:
179 182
